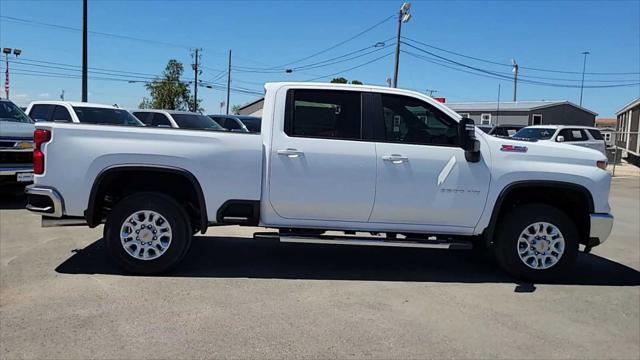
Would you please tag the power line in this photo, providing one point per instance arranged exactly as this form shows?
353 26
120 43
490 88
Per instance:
338 44
521 67
499 76
352 68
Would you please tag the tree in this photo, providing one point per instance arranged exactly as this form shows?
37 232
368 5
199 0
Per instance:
235 109
169 92
341 80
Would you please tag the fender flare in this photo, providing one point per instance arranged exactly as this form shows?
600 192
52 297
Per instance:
91 214
497 207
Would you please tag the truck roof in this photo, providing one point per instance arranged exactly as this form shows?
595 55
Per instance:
72 103
165 111
562 127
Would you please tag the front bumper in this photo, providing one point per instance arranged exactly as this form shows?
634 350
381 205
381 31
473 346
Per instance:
601 225
44 201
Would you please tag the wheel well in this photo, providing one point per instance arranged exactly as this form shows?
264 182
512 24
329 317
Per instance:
574 200
114 184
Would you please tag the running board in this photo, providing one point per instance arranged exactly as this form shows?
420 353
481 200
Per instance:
365 241
48 221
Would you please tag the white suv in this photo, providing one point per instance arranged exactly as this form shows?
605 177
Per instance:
80 112
589 137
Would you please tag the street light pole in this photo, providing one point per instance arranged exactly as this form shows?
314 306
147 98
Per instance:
584 66
403 17
7 52
228 82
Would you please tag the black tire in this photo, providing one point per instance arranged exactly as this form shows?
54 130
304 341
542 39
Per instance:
169 209
515 222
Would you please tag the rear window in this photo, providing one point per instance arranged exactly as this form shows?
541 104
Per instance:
105 116
195 122
535 133
596 134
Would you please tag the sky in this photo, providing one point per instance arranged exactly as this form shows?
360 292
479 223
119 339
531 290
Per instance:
461 49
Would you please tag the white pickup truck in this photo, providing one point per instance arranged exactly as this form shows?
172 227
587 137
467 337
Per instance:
330 158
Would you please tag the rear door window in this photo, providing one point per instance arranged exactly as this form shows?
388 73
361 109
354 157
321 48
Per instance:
327 114
573 135
145 117
61 114
41 112
231 124
159 119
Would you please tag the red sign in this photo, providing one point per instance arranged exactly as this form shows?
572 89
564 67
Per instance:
440 99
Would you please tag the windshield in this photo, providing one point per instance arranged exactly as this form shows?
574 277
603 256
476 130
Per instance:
535 133
105 116
196 122
10 112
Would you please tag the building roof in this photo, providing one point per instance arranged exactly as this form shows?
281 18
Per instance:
512 106
606 121
251 103
630 105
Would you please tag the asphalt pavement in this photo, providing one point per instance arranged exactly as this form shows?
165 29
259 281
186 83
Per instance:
235 297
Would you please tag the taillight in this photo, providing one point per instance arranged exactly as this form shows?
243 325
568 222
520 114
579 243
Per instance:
40 136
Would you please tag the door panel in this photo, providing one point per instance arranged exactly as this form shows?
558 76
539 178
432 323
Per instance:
432 186
422 174
319 168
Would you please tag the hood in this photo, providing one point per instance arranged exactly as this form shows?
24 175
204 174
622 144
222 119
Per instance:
16 130
543 151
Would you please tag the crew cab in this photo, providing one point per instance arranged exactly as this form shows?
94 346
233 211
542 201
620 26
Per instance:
176 119
384 166
16 145
80 112
585 136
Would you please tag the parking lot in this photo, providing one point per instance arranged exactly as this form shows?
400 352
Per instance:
234 297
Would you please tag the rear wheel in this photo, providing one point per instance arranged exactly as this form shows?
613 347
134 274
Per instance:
536 242
147 233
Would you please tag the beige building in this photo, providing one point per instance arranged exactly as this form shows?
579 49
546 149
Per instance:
628 128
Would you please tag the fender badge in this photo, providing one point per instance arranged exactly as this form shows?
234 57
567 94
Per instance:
514 148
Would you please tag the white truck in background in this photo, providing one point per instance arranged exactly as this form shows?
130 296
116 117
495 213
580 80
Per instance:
330 157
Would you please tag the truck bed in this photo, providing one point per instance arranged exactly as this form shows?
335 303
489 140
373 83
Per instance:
229 163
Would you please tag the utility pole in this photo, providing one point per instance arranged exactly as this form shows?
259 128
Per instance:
62 95
403 17
584 66
228 82
498 109
195 84
7 52
515 79
84 52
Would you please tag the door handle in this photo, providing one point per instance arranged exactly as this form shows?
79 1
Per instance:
395 158
290 153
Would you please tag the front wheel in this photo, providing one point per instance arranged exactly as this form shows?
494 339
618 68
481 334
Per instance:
536 242
147 233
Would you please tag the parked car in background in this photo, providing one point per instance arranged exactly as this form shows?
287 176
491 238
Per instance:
585 136
505 130
238 123
176 119
80 112
413 169
16 145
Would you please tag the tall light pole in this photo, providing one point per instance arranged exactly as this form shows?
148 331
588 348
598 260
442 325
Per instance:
515 79
6 52
584 66
84 52
228 83
403 17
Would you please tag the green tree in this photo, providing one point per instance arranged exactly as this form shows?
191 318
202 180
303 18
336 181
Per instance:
341 80
235 109
169 92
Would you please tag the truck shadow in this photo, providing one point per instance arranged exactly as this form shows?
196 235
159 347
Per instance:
12 200
226 257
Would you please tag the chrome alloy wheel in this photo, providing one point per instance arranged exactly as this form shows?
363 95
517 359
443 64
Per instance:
540 245
145 235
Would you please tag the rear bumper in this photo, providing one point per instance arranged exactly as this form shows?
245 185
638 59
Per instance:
601 225
44 201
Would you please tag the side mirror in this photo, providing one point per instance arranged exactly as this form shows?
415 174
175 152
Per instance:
468 141
560 138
